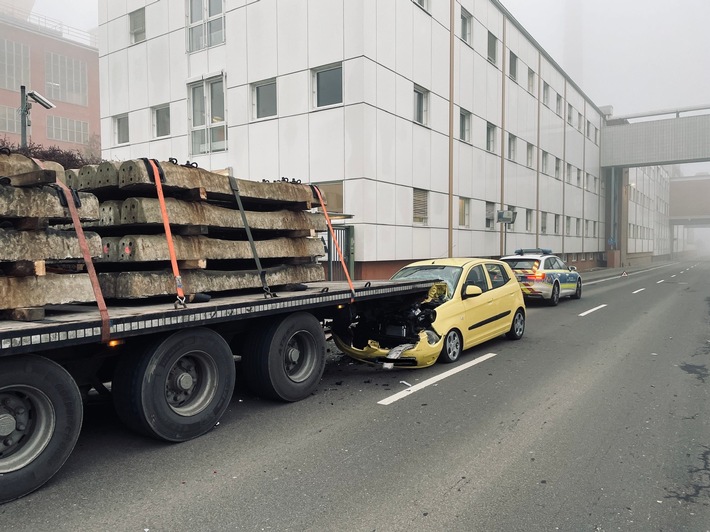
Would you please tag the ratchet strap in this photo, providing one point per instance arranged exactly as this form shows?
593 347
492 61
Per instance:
154 170
262 274
335 241
71 199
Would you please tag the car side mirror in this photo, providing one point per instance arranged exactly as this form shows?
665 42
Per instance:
572 268
471 290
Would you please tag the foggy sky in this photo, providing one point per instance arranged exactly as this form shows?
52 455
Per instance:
636 55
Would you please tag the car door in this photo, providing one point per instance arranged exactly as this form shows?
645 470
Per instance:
503 297
568 279
478 309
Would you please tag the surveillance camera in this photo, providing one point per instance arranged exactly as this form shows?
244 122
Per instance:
37 97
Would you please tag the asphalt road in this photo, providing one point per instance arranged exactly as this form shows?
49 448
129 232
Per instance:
597 420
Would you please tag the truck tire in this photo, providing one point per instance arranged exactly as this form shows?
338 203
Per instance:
41 413
285 360
178 388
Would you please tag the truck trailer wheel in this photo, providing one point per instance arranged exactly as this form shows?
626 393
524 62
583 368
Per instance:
285 360
178 388
41 413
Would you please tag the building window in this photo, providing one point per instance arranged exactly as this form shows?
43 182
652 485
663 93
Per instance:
579 177
66 79
580 122
466 25
206 24
544 162
578 227
557 224
422 4
596 135
464 212
569 113
531 81
558 105
161 121
136 20
587 226
264 99
558 167
334 192
528 219
546 93
490 137
420 206
543 222
492 48
421 105
594 227
512 141
490 214
568 225
9 120
120 129
589 129
65 129
328 83
14 65
208 128
465 125
530 155
513 67
511 225
568 174
588 185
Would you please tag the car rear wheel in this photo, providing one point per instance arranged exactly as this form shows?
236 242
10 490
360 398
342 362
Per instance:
517 328
578 292
452 347
555 296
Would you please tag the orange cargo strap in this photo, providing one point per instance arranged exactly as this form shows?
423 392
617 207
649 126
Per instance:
335 241
154 169
84 246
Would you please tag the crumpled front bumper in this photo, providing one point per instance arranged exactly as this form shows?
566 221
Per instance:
420 355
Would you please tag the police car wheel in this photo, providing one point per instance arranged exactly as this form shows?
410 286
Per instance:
555 296
578 292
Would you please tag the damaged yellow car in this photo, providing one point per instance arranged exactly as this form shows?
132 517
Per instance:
476 300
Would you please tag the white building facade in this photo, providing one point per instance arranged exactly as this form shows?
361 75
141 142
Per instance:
356 96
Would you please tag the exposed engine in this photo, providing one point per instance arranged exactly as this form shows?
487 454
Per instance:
391 323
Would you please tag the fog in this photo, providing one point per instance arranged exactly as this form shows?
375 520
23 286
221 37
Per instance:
636 55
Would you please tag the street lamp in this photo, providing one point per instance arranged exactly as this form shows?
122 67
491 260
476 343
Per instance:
25 107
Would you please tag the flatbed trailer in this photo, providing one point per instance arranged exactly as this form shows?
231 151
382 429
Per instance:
169 370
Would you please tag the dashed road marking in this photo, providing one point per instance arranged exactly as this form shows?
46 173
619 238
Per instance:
639 290
659 282
409 391
591 310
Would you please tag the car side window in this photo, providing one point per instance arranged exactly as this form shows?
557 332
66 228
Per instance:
497 274
550 263
559 265
477 277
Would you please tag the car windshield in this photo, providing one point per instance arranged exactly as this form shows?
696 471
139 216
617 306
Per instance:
522 264
449 274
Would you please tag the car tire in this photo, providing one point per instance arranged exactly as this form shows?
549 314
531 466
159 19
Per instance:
517 328
578 292
555 296
453 346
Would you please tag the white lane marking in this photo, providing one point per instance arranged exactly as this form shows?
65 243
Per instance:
404 393
672 276
639 290
615 277
591 310
659 282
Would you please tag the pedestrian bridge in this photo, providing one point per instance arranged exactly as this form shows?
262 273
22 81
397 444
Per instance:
667 137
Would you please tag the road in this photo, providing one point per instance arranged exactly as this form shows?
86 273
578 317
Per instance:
597 420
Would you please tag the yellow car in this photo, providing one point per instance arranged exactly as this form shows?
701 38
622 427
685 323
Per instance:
476 300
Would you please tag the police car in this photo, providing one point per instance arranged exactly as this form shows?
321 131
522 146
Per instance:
543 275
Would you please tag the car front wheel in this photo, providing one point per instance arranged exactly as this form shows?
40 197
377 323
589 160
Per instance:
555 296
578 292
452 347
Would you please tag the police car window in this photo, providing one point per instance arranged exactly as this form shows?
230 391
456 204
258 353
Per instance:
559 265
497 274
477 277
550 263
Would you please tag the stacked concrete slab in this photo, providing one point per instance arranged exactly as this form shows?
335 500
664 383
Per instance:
209 233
